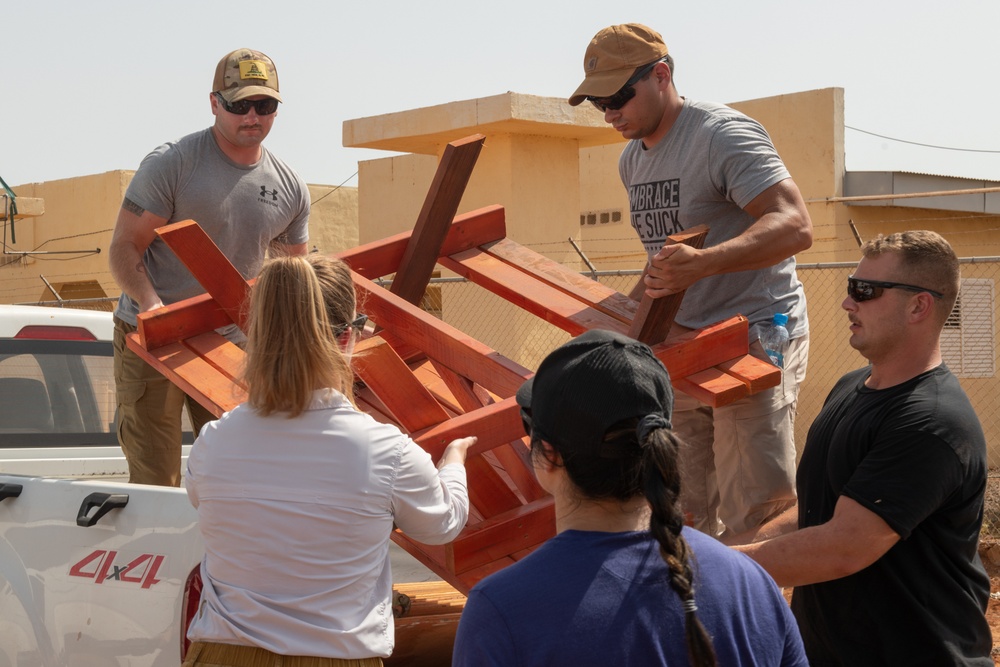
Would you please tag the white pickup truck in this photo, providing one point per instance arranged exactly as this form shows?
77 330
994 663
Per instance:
96 571
93 571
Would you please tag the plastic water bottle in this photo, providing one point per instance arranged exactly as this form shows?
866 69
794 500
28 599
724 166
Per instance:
775 339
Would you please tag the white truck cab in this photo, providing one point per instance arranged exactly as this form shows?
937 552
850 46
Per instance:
57 393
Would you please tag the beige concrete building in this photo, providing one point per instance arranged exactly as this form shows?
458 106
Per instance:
554 169
61 251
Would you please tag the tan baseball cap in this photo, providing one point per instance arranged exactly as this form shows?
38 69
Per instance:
612 57
245 73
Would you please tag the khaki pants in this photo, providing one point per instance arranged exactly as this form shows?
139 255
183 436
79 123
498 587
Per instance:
149 416
737 462
209 654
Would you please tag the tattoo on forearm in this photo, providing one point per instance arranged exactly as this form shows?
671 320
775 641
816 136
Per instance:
132 207
140 267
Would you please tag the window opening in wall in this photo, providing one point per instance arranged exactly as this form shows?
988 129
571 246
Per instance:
606 217
967 342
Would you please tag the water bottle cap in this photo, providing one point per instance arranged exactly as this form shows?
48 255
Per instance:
780 318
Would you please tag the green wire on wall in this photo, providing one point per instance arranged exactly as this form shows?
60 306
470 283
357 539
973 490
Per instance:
13 208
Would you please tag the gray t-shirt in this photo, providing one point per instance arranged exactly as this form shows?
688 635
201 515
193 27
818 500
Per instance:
242 208
712 163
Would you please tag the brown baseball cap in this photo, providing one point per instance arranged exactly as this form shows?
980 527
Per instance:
245 73
612 57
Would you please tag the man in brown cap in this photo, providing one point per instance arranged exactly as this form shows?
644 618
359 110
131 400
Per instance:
246 199
689 163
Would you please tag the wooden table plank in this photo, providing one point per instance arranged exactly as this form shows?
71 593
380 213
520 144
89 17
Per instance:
440 206
524 527
755 373
541 299
440 341
210 266
655 316
469 230
389 378
712 387
605 299
704 348
195 376
177 321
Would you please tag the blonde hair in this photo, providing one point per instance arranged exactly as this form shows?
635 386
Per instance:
926 259
292 347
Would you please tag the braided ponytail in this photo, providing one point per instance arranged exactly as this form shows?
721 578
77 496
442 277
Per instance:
661 486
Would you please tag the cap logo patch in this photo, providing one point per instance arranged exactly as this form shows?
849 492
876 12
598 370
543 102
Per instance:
592 64
253 69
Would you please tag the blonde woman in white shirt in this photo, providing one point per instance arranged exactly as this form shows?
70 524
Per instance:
297 490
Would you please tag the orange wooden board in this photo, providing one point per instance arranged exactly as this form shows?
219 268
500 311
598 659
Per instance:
712 387
388 377
175 322
755 373
521 289
541 268
197 377
704 348
440 207
210 266
469 230
433 380
654 317
440 341
524 527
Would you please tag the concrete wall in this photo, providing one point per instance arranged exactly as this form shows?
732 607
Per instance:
78 222
533 183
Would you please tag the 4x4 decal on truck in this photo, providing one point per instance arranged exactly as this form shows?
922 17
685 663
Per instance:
100 566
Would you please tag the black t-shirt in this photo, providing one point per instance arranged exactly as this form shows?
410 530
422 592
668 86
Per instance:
915 455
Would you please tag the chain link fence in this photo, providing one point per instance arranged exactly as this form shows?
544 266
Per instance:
968 341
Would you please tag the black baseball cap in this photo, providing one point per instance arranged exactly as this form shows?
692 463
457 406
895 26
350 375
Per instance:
591 383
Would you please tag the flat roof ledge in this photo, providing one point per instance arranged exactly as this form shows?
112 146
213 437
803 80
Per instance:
427 129
915 190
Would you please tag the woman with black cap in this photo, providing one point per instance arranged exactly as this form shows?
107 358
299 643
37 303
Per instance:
623 582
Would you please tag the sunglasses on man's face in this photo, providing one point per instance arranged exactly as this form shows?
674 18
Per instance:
865 290
358 325
626 93
264 107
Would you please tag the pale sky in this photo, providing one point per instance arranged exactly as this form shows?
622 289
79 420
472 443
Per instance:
90 87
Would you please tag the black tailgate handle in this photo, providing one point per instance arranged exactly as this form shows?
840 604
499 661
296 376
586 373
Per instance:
9 491
104 502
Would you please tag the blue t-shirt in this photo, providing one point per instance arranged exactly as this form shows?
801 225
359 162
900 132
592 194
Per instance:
592 598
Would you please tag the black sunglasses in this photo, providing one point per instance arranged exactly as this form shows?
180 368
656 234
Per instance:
264 107
866 290
358 324
626 93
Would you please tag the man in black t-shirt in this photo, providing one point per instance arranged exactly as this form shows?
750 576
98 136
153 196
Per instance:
882 548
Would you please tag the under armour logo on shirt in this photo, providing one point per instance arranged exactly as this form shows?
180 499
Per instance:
264 192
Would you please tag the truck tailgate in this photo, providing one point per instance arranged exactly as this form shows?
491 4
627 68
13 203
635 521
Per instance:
110 593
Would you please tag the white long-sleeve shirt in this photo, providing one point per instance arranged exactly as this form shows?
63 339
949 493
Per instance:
296 516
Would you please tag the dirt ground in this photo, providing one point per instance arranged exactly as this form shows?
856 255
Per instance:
990 553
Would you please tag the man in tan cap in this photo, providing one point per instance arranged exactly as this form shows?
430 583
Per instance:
689 163
246 199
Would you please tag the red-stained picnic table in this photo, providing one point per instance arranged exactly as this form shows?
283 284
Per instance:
431 379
